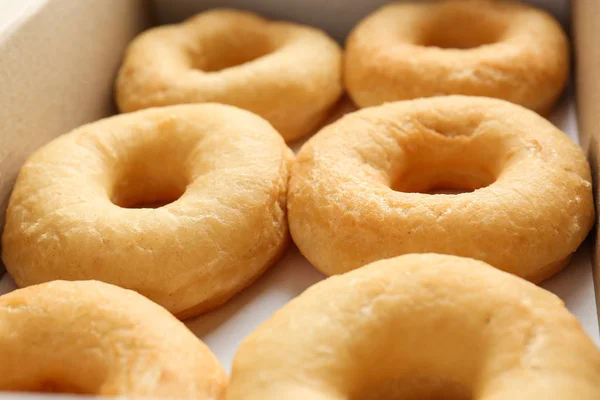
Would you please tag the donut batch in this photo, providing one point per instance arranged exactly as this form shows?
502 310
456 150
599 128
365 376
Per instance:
434 209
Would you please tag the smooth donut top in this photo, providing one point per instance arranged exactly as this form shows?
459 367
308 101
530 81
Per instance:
444 319
356 185
239 58
89 337
225 168
501 49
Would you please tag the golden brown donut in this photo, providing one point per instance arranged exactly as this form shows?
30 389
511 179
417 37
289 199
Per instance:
423 326
79 209
90 337
360 188
501 49
287 73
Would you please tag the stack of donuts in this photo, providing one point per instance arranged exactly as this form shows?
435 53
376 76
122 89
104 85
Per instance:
435 208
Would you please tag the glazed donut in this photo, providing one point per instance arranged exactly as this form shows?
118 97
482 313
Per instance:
93 338
287 73
425 326
361 188
80 207
489 48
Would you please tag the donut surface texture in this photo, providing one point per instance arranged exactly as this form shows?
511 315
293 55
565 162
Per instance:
89 337
423 326
83 206
289 74
490 48
361 188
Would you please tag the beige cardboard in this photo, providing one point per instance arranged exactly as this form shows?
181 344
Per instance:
586 17
57 72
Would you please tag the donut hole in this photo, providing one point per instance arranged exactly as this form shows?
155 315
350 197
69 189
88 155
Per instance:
48 382
148 195
226 50
149 180
459 39
55 387
444 181
462 28
143 190
449 156
417 388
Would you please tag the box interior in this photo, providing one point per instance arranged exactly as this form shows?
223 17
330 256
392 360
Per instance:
59 62
337 17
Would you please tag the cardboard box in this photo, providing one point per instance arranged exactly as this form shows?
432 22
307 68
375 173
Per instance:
58 60
586 15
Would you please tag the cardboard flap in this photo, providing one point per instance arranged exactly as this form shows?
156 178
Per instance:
586 15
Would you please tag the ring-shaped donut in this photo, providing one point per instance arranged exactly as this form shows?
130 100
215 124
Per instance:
82 206
361 188
93 338
424 326
500 49
287 73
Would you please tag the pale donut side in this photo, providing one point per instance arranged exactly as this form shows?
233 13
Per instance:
226 170
415 327
500 49
93 338
287 73
358 190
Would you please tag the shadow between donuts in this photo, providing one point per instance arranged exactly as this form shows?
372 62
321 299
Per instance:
289 277
567 283
337 111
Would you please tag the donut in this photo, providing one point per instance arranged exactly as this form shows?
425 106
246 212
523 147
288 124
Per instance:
367 187
419 326
93 338
183 204
500 49
289 74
